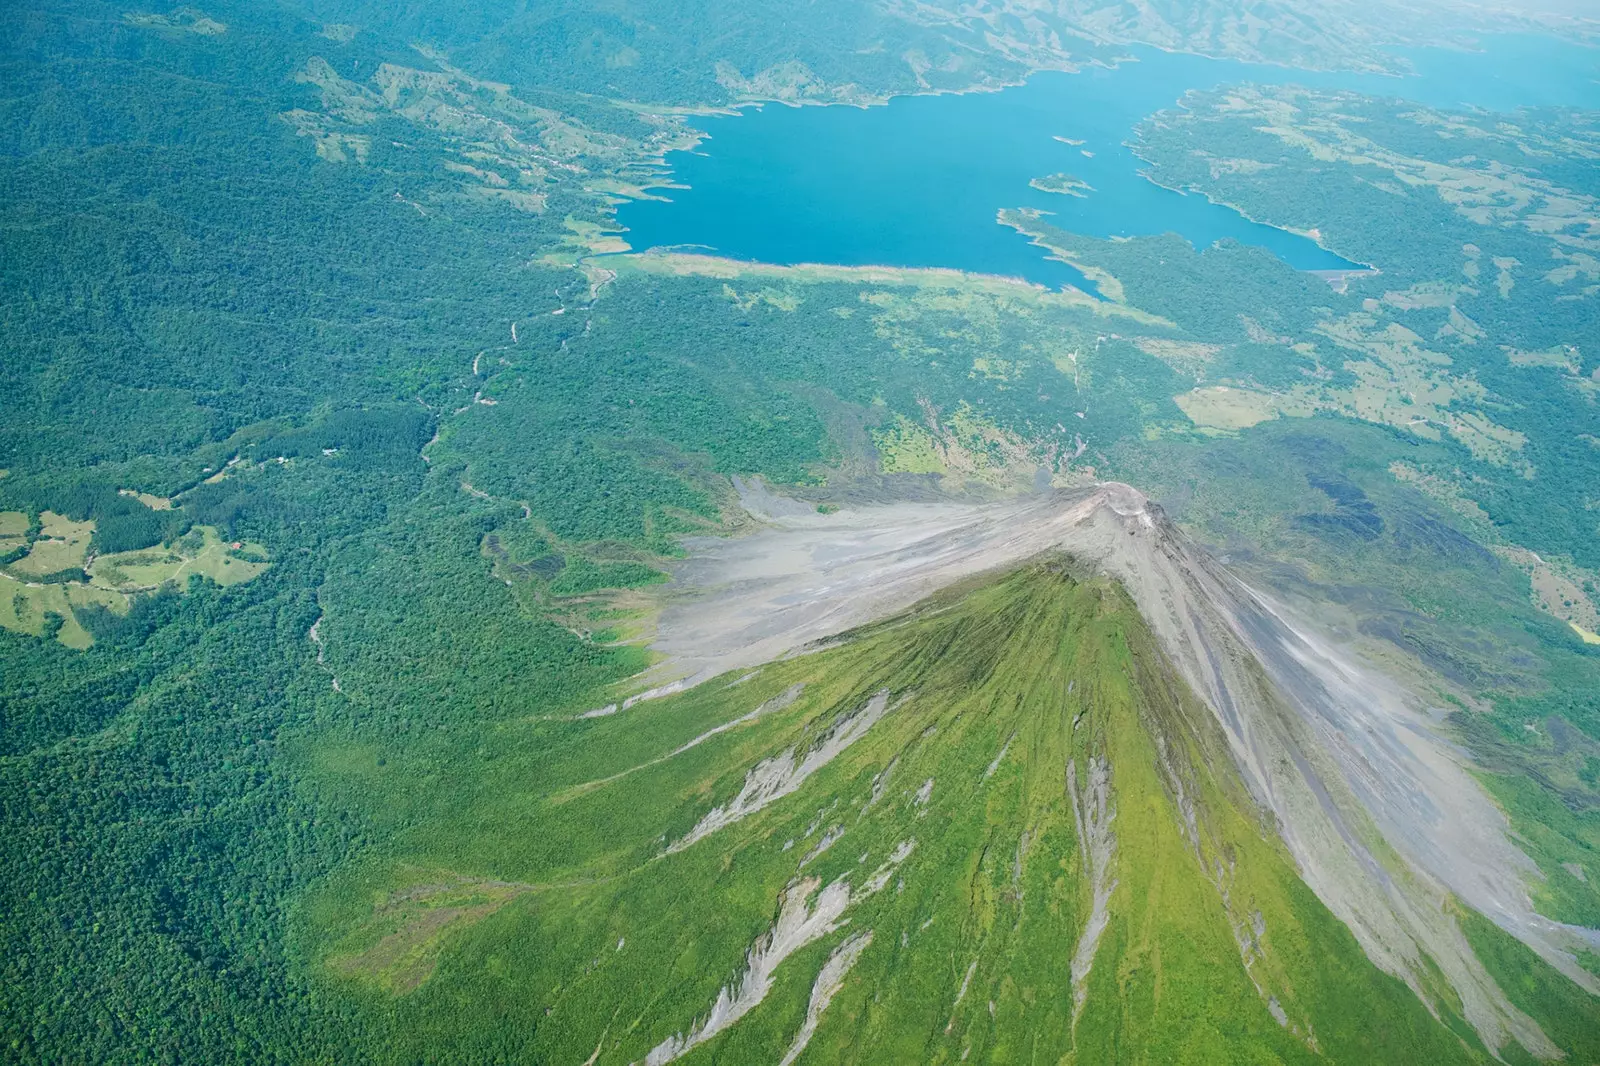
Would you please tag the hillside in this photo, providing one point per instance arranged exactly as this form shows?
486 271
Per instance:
998 826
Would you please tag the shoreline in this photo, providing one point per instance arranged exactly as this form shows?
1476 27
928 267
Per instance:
1067 66
727 267
1315 237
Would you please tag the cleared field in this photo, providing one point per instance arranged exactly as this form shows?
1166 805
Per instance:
1013 290
13 530
1398 382
27 608
1588 636
1560 356
1558 589
906 448
1226 408
30 606
149 499
202 551
62 545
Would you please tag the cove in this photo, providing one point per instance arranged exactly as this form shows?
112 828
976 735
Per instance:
917 182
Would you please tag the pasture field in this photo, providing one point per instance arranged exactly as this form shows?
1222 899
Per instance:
33 608
200 552
1225 407
62 545
13 530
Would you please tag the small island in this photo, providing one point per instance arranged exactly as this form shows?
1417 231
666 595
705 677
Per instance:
1063 183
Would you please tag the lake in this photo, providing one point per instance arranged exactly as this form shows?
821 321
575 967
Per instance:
917 182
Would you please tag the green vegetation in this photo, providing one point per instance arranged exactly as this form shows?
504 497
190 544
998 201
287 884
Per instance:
334 475
53 574
49 608
1029 674
1065 184
1566 1013
14 527
1369 176
907 448
199 552
582 575
1564 842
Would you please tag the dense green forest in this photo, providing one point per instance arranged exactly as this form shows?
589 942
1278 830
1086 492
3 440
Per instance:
244 274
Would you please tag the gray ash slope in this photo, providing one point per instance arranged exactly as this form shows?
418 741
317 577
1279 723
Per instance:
1379 809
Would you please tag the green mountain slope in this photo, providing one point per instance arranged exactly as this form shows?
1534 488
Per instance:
997 828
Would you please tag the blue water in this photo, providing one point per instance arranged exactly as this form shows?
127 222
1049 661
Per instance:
917 182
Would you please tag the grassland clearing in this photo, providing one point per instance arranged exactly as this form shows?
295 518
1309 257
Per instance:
30 608
149 499
1478 189
200 552
1558 588
1560 357
409 928
1021 292
13 530
29 605
62 545
1398 382
584 238
1228 408
1586 635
